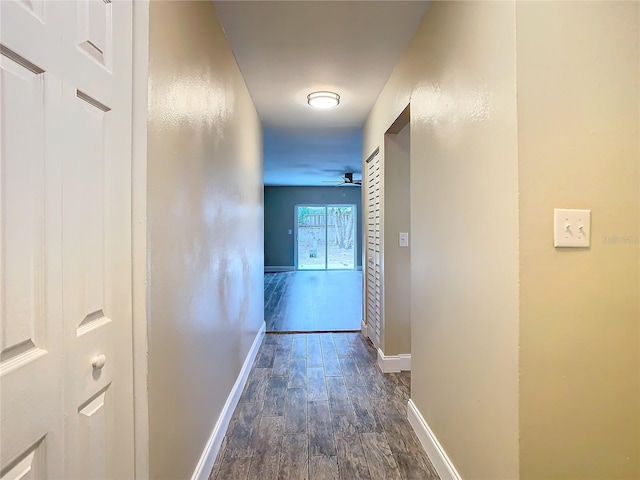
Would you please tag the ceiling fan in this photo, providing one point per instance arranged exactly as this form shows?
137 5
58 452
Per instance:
347 179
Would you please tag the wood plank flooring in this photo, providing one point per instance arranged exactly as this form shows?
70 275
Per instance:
313 301
316 407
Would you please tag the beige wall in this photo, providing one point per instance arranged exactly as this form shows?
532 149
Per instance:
205 230
397 260
526 358
459 72
578 118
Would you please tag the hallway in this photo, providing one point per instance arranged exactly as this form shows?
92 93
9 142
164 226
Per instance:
313 301
477 161
317 407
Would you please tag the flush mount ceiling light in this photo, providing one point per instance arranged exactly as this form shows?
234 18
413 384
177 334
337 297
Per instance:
323 99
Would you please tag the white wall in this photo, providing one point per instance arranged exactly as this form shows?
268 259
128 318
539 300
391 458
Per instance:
525 358
579 147
205 230
459 76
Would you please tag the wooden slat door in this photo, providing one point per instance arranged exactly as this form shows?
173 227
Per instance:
374 255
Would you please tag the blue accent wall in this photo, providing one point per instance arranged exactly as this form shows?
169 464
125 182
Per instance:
279 204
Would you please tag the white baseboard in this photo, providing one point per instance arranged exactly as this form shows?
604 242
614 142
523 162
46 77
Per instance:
394 363
432 447
270 269
208 458
363 328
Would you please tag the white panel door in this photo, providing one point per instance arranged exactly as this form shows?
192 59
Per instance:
374 255
31 332
66 366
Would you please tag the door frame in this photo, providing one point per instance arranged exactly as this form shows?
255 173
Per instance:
326 206
139 236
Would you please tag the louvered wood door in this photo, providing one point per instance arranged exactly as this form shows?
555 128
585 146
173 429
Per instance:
66 366
374 255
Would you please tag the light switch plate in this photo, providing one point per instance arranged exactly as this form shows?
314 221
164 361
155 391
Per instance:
571 228
403 239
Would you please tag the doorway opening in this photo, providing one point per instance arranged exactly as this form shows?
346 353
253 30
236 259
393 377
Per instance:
325 237
388 267
313 239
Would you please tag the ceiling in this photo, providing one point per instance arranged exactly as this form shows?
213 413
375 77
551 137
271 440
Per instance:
288 49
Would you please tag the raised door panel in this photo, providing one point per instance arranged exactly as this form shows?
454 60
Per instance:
30 289
96 49
22 212
32 29
84 212
31 465
96 428
34 7
94 30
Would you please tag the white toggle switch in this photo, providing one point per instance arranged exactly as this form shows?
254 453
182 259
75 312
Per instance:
403 239
572 228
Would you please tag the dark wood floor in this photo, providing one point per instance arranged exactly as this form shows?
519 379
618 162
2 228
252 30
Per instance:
316 407
313 301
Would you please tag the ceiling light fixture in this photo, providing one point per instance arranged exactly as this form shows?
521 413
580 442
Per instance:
323 99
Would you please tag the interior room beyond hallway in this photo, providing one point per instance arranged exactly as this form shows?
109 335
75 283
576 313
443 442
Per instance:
313 301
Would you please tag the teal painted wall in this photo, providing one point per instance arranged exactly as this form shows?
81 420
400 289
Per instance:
279 203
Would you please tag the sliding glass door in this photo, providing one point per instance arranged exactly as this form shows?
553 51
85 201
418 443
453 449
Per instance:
341 234
325 237
311 237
